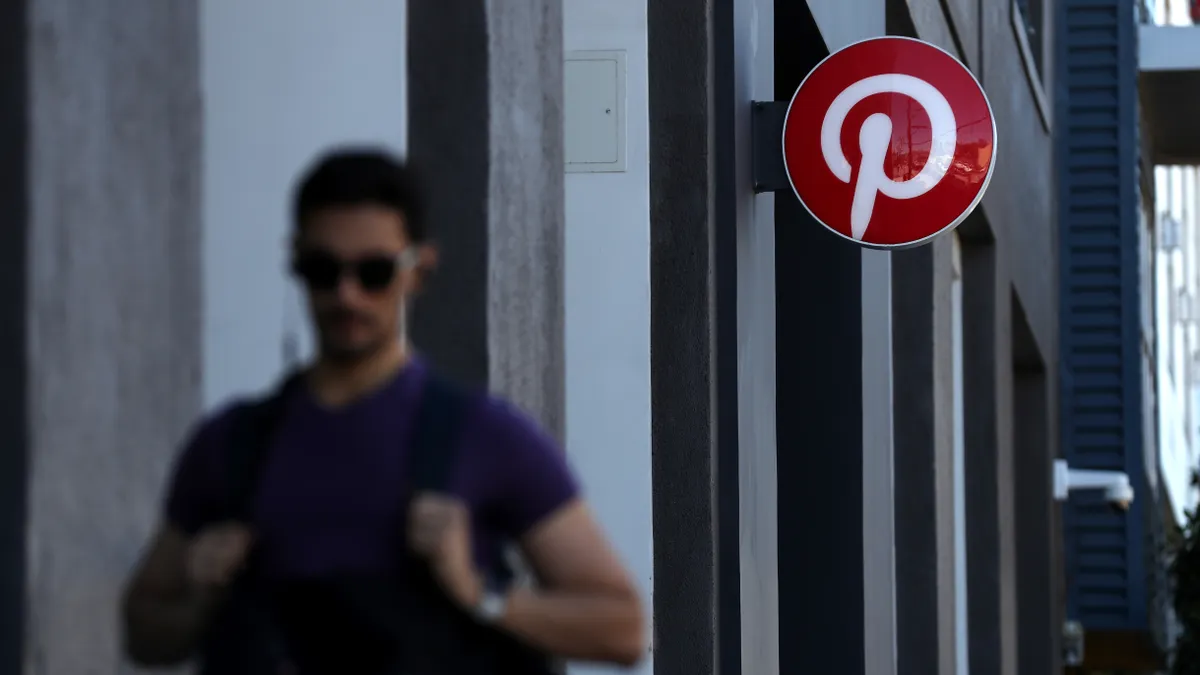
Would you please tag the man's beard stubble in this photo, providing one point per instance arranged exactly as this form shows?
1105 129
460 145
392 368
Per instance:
333 351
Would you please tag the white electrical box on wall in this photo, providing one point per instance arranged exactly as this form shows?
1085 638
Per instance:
594 111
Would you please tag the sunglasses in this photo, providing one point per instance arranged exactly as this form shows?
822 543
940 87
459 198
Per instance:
322 271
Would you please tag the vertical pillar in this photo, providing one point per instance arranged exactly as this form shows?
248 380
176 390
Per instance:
1036 513
448 142
112 303
525 318
1038 618
485 131
14 417
924 488
685 365
987 298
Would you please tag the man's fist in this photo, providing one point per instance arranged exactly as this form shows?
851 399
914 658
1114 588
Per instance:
440 531
217 554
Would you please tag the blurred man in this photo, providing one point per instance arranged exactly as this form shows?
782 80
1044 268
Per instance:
329 499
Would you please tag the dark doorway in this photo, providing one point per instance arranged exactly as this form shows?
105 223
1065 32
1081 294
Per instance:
1036 516
819 417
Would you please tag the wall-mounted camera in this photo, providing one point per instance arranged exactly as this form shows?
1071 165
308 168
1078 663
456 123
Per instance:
1072 644
1115 484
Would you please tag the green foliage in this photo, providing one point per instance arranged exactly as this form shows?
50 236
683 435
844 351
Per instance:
1185 578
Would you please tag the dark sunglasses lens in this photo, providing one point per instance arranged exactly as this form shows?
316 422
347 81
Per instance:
319 272
376 274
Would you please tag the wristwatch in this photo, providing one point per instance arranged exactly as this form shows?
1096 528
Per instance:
492 602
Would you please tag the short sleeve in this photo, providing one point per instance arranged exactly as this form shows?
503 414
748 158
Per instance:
532 478
195 485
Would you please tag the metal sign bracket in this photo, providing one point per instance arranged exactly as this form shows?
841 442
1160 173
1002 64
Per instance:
766 133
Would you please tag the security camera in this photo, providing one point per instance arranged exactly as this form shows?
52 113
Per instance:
1120 495
1072 644
1115 484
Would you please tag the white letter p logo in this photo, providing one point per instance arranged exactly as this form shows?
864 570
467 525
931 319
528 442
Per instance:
875 137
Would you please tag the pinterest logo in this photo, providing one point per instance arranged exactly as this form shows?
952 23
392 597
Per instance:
889 142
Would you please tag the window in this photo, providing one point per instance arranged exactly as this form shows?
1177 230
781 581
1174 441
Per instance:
1033 20
1029 22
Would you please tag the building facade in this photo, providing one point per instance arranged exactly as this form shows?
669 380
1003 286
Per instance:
813 457
1128 402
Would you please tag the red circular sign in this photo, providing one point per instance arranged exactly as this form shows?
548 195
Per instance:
889 142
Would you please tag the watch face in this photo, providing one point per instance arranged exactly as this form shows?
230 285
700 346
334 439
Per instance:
491 606
495 597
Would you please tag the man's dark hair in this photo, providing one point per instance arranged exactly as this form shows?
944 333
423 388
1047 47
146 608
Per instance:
361 177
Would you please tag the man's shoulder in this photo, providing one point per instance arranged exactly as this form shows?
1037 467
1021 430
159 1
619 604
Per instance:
224 416
527 473
193 497
212 430
503 418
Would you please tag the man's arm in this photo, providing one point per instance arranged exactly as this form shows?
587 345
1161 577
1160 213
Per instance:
166 604
586 607
164 614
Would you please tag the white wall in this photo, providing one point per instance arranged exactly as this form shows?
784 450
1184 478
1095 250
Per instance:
758 498
1176 273
282 80
608 302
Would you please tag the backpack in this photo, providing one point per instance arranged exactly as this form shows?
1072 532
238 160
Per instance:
394 624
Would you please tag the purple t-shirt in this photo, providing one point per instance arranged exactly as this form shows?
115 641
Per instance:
333 488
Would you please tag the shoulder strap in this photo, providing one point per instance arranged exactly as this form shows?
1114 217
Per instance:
435 436
253 429
435 446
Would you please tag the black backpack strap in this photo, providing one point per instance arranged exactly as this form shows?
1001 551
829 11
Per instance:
253 429
245 636
439 424
435 445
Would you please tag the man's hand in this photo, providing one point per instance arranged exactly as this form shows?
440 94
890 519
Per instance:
216 554
439 529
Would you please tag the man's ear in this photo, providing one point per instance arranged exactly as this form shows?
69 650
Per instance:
427 257
427 262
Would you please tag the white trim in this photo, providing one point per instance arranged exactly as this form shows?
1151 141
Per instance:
879 495
961 627
758 489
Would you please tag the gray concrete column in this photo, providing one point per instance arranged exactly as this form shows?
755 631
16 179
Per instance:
112 348
526 206
489 146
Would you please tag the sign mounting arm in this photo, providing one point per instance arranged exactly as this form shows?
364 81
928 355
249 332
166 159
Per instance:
766 129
